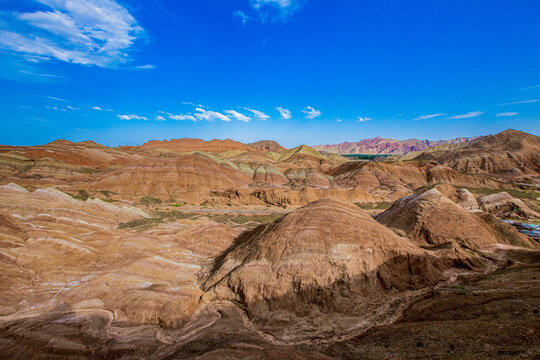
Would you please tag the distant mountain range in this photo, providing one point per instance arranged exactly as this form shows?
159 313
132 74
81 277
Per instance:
381 146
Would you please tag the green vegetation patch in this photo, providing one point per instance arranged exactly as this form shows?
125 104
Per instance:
81 195
140 223
253 220
380 205
148 200
107 193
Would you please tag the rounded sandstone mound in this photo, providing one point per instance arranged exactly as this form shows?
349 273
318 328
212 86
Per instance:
431 218
328 257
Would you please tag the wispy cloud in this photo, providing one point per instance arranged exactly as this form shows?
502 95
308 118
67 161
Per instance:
55 98
237 115
362 119
285 114
505 114
338 120
520 102
73 108
159 118
131 117
37 74
429 116
266 10
87 32
468 115
259 115
96 108
530 87
242 16
145 67
311 113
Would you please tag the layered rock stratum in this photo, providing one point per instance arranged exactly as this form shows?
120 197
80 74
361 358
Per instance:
187 249
384 146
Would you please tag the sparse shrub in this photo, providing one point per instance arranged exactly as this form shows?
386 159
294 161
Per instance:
81 195
140 222
87 170
380 205
107 193
148 200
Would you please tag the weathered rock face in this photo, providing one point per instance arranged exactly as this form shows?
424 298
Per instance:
444 174
190 145
368 175
70 278
381 146
266 145
307 177
328 258
85 153
269 174
461 197
431 218
167 178
504 205
503 152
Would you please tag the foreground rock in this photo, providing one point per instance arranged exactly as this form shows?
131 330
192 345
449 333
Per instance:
504 205
325 269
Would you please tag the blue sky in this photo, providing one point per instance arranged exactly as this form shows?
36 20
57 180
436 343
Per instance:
297 71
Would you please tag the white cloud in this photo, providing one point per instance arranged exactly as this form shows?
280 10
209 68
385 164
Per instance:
520 102
362 119
285 114
202 114
237 115
468 115
182 117
73 108
311 113
242 16
131 117
338 120
429 116
274 9
505 114
259 115
87 32
279 3
96 108
145 67
159 118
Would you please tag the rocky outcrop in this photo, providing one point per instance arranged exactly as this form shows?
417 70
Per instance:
369 175
189 145
307 177
269 174
266 145
328 258
500 153
384 146
431 219
504 205
87 154
166 178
